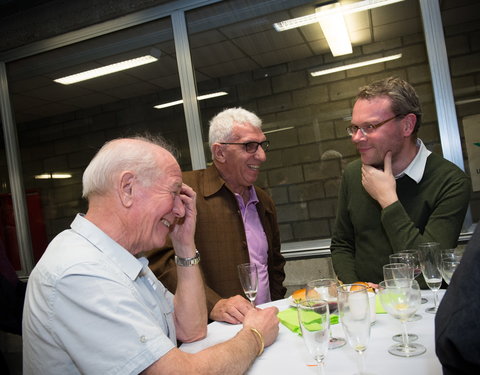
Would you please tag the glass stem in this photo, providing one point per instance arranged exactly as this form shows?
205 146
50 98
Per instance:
435 299
404 333
360 361
320 367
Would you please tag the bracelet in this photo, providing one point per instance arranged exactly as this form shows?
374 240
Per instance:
262 342
187 262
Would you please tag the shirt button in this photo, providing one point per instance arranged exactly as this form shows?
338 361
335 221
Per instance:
143 339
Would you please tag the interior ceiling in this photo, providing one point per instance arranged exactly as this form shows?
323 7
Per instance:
225 38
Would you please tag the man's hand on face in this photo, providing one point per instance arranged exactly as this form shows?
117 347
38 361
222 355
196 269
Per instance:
380 184
231 310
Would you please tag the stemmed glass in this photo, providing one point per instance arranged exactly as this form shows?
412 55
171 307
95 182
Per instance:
449 261
326 289
411 263
401 299
429 259
396 271
248 275
314 319
415 258
354 309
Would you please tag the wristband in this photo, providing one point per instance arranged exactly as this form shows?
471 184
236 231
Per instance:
262 342
188 262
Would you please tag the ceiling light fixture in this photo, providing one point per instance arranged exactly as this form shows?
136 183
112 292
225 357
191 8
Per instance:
316 73
201 97
343 10
277 130
108 69
335 30
54 176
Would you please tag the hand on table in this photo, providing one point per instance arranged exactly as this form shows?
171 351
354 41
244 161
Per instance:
231 310
381 185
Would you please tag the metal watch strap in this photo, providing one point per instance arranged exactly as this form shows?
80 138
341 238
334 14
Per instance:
187 262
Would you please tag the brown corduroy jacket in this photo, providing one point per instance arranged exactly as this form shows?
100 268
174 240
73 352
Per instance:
220 240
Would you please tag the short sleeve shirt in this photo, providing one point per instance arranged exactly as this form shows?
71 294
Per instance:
93 308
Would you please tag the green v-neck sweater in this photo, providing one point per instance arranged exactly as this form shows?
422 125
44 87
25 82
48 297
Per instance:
365 234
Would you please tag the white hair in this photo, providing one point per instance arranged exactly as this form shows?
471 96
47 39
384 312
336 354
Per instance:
221 126
122 154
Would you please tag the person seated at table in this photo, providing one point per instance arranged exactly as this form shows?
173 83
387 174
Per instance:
457 329
398 194
236 222
94 307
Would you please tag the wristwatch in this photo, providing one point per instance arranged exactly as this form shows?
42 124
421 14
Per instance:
187 262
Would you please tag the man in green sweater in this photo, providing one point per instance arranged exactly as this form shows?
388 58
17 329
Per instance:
398 194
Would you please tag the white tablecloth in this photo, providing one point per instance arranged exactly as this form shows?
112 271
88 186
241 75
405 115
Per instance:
288 354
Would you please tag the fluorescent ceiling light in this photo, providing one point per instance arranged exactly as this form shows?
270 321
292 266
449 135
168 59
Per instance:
467 101
49 176
344 10
334 30
108 69
201 97
316 73
277 130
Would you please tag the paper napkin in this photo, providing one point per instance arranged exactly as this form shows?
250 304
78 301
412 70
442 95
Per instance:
289 319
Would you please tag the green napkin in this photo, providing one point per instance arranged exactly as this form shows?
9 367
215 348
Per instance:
289 319
378 306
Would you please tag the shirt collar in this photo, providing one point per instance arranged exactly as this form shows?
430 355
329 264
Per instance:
130 265
416 168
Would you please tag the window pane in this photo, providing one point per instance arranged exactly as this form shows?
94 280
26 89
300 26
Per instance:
60 127
236 49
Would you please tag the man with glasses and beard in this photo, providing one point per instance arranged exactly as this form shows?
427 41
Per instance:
398 194
236 221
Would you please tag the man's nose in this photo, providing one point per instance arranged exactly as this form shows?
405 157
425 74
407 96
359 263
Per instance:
260 154
358 136
178 207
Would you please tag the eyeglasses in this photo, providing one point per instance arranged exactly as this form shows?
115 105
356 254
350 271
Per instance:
369 129
251 147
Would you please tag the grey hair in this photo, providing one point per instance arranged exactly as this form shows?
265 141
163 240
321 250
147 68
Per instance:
403 96
117 156
221 126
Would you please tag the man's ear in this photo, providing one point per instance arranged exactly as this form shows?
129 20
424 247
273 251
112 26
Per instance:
410 120
218 152
126 188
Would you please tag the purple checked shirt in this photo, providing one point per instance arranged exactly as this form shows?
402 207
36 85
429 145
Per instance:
257 243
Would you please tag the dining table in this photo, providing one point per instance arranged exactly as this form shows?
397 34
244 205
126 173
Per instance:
289 355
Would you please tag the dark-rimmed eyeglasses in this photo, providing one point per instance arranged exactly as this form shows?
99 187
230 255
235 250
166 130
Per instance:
352 130
250 147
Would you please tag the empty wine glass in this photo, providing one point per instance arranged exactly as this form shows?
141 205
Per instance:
314 319
401 299
417 270
411 262
248 275
396 271
354 312
429 257
449 261
326 289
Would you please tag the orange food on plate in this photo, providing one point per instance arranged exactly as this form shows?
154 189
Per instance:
299 294
362 283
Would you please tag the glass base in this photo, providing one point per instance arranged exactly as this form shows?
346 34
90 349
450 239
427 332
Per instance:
336 342
411 350
423 300
411 337
431 310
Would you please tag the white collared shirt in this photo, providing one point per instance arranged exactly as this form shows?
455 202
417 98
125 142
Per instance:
416 168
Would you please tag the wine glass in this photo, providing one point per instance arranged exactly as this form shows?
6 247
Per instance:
314 319
354 311
326 289
401 299
449 261
429 258
396 271
410 261
248 275
417 270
